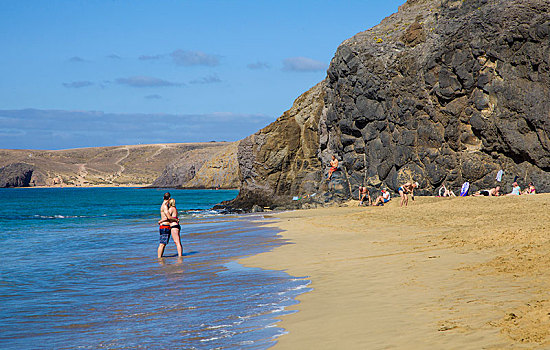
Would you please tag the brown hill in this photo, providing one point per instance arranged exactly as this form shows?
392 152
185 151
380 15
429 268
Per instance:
109 166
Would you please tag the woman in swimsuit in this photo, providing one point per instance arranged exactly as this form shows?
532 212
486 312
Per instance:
175 226
406 189
531 189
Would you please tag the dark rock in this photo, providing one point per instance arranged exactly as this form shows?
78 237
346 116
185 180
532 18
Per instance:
16 175
457 95
257 209
281 160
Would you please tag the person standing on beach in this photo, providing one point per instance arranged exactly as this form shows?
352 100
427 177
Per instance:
164 225
333 167
175 226
406 189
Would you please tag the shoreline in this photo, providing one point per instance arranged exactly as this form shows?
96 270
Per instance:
463 273
139 186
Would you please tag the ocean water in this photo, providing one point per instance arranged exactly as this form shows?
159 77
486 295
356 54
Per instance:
78 269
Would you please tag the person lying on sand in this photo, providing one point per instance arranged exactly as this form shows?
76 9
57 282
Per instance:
333 167
489 193
406 189
363 195
383 199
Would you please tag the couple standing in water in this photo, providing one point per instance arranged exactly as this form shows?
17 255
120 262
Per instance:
169 225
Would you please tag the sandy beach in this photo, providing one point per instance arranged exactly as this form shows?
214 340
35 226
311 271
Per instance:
459 273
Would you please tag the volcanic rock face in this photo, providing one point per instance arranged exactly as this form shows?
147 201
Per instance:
444 93
281 159
441 92
16 175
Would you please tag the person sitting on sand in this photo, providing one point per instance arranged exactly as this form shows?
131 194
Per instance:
333 167
516 190
383 199
446 192
406 189
363 195
493 192
530 190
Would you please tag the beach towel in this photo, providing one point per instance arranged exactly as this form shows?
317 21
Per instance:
464 189
499 175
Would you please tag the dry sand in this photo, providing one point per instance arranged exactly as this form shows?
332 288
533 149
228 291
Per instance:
460 273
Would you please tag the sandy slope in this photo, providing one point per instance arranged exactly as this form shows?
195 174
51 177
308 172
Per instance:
462 273
108 166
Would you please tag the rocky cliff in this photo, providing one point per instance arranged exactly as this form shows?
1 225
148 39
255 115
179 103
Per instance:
16 175
281 160
446 91
441 92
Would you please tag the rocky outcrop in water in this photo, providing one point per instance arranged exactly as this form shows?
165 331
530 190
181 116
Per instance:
441 92
16 175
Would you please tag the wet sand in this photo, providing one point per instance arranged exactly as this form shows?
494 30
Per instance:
459 273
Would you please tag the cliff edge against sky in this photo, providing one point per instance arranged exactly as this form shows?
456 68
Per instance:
441 92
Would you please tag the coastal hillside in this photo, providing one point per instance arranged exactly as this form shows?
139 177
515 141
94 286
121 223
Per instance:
442 92
137 165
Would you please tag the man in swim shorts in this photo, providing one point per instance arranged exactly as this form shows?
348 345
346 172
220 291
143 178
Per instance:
363 195
406 189
164 222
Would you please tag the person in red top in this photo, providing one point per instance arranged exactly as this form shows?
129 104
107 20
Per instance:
333 167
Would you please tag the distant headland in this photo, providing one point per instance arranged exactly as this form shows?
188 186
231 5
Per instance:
193 165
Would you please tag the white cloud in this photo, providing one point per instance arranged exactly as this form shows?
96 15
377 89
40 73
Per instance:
303 64
211 79
78 84
258 65
143 81
194 58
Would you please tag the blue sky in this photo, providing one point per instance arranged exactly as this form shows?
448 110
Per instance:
92 73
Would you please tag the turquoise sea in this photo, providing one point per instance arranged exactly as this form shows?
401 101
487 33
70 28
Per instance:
78 269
